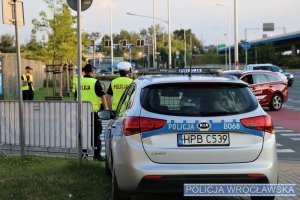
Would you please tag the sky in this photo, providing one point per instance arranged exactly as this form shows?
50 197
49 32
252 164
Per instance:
207 20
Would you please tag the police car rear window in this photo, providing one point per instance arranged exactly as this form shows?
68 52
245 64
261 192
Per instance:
198 99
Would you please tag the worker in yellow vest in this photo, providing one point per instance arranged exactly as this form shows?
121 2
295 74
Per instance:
119 85
27 84
93 92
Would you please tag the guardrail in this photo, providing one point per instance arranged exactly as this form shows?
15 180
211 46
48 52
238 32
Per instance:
50 127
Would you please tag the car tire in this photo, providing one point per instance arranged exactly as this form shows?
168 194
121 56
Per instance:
276 102
262 198
115 191
106 168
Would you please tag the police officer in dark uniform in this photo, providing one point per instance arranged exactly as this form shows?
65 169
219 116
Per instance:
93 92
118 85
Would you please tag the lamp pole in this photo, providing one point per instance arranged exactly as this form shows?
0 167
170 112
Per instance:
111 41
226 52
169 29
236 42
21 103
184 37
229 34
169 36
79 53
154 36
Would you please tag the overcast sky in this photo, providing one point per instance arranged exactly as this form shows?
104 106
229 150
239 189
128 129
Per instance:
207 21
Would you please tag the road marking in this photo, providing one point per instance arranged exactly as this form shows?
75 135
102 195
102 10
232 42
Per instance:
295 139
278 127
285 151
285 131
289 135
279 145
294 101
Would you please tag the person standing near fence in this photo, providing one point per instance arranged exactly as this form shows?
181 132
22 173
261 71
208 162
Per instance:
93 92
27 84
119 85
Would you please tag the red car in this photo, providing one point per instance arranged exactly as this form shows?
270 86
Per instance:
268 87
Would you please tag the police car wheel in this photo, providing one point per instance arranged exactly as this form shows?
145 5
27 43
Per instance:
262 198
106 168
276 102
115 191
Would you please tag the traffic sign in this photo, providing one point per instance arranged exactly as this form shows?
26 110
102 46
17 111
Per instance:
85 4
128 46
246 45
8 12
116 46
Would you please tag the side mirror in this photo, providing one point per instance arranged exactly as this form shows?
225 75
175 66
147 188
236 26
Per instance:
104 114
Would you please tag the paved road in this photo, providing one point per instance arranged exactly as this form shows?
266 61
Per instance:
288 144
294 94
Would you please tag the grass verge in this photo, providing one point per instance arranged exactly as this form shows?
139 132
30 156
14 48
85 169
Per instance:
52 178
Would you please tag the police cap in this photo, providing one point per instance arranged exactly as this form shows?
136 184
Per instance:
124 66
88 68
28 67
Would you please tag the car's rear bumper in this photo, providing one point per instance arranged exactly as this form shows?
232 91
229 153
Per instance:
134 167
175 183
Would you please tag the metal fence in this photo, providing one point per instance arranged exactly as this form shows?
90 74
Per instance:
50 127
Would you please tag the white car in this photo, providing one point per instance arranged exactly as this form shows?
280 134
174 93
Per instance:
176 129
286 76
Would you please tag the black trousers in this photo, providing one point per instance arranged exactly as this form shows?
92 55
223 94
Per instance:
97 133
28 94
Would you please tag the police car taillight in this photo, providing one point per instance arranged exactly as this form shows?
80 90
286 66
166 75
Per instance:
262 123
135 125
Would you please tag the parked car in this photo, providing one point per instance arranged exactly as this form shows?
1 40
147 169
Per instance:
268 87
151 145
273 68
103 71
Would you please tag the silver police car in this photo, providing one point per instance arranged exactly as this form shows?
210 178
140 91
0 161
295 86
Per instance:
171 130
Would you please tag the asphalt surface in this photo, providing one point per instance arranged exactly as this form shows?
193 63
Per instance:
294 93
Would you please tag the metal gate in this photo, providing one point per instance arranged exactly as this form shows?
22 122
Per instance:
50 127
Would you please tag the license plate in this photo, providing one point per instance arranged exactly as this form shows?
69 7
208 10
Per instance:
211 139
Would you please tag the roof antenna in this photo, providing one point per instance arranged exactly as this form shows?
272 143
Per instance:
190 74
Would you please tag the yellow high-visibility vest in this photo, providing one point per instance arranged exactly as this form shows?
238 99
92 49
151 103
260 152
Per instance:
26 87
88 93
118 87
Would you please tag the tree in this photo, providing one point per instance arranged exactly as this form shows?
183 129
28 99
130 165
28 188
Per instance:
59 43
7 43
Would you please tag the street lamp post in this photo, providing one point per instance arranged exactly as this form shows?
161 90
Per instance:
169 35
169 30
229 35
154 36
236 42
111 41
226 53
184 37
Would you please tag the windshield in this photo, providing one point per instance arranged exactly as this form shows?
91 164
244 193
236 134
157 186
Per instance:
198 99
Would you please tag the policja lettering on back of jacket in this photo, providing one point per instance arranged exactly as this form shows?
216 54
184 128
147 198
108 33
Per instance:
86 87
120 86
